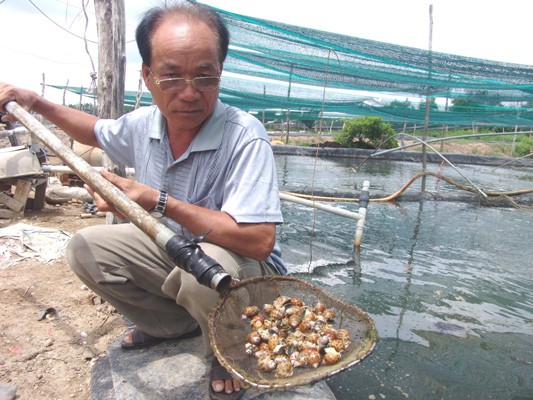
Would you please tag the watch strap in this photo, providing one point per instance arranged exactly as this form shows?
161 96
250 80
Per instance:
161 203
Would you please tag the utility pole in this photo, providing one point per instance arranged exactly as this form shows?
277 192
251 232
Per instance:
110 22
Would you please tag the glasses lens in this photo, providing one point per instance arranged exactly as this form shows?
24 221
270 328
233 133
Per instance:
206 83
172 84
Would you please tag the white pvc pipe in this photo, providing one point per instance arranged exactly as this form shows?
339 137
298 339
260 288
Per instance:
320 206
359 216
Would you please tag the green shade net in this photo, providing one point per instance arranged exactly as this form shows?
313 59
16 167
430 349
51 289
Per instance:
274 69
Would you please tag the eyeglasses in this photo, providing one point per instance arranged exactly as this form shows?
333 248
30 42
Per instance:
201 83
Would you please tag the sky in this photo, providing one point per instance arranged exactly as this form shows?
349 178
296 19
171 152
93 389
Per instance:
44 38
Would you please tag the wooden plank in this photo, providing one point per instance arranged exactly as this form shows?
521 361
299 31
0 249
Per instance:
11 203
7 214
22 191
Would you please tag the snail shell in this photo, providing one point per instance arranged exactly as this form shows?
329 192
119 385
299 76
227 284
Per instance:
294 321
298 359
338 345
277 313
296 301
266 364
305 326
332 356
313 337
323 341
254 338
313 358
319 307
256 323
264 334
281 301
281 358
263 346
250 312
293 310
343 334
329 331
250 348
280 349
329 314
309 315
273 341
284 369
267 308
261 353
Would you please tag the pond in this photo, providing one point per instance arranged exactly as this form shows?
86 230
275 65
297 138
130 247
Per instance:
449 285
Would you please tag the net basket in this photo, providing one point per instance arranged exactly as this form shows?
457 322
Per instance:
229 331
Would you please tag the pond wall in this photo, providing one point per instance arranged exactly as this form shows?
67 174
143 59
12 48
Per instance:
401 155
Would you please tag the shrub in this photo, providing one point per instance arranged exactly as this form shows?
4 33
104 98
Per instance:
366 132
524 147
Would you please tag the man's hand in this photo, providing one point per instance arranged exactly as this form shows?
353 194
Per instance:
25 98
143 195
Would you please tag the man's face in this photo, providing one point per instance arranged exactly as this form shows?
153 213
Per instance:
183 49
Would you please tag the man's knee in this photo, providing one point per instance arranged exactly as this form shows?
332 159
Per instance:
77 248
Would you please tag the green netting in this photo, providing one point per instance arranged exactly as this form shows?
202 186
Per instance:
288 53
273 69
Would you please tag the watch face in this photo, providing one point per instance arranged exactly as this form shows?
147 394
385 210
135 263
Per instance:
157 214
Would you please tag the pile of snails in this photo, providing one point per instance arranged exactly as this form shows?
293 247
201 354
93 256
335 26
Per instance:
288 334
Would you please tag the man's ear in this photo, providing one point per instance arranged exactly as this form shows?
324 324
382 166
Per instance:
146 75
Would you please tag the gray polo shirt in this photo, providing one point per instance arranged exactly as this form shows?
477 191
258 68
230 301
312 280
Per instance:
229 166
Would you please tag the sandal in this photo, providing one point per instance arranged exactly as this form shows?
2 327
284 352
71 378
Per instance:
216 373
137 339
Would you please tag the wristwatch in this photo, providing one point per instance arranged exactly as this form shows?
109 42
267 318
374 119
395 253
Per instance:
161 205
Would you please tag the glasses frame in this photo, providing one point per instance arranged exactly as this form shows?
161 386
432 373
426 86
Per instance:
192 81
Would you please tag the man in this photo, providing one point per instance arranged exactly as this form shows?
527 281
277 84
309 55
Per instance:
203 165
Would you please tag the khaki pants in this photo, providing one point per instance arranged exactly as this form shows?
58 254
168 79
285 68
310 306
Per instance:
125 267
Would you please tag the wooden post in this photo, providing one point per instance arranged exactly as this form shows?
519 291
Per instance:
289 106
426 119
110 21
139 91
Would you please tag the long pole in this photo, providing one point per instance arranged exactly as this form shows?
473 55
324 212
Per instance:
163 236
428 99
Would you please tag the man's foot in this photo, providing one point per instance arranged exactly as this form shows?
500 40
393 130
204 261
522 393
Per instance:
221 383
137 339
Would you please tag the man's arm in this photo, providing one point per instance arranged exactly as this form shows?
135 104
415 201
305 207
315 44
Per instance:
254 240
77 124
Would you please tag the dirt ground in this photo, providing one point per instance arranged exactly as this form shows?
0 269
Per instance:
50 355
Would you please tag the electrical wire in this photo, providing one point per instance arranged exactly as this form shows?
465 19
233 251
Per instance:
58 25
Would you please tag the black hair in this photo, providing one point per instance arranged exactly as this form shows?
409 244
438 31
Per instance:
155 16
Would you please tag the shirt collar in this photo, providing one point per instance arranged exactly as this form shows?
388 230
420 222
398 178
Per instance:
209 137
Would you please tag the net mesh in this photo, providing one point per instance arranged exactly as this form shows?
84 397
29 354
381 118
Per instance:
279 71
228 330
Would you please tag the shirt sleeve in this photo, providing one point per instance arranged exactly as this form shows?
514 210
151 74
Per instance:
117 138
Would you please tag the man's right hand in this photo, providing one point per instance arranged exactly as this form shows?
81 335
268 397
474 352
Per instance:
25 98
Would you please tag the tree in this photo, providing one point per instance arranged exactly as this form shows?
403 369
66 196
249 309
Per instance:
366 132
406 104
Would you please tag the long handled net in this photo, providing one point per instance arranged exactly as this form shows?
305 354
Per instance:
234 322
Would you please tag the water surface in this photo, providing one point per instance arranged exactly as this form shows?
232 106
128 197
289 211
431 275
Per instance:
449 285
